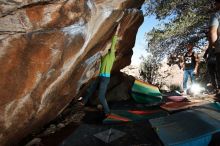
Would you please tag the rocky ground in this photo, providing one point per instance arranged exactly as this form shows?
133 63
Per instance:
56 131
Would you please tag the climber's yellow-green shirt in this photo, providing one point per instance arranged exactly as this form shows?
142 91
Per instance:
108 60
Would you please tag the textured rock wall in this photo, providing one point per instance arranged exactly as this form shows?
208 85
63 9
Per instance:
49 49
119 89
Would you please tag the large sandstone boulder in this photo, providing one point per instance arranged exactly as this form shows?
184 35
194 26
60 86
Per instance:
49 49
119 89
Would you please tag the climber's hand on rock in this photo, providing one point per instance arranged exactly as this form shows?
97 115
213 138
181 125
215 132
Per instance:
103 53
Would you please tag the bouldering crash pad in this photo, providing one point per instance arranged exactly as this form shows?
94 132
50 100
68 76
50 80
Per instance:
145 93
175 106
188 128
120 116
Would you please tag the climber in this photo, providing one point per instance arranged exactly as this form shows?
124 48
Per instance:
103 79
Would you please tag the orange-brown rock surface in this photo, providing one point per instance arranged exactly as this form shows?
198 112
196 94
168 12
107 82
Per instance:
49 49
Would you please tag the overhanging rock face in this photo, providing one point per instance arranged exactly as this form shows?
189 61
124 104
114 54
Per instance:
49 49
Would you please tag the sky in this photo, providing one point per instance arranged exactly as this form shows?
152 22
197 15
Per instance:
141 44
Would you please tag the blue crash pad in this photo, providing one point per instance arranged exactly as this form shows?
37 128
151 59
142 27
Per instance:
188 128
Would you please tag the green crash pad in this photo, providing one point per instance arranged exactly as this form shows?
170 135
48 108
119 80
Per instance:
145 93
120 116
